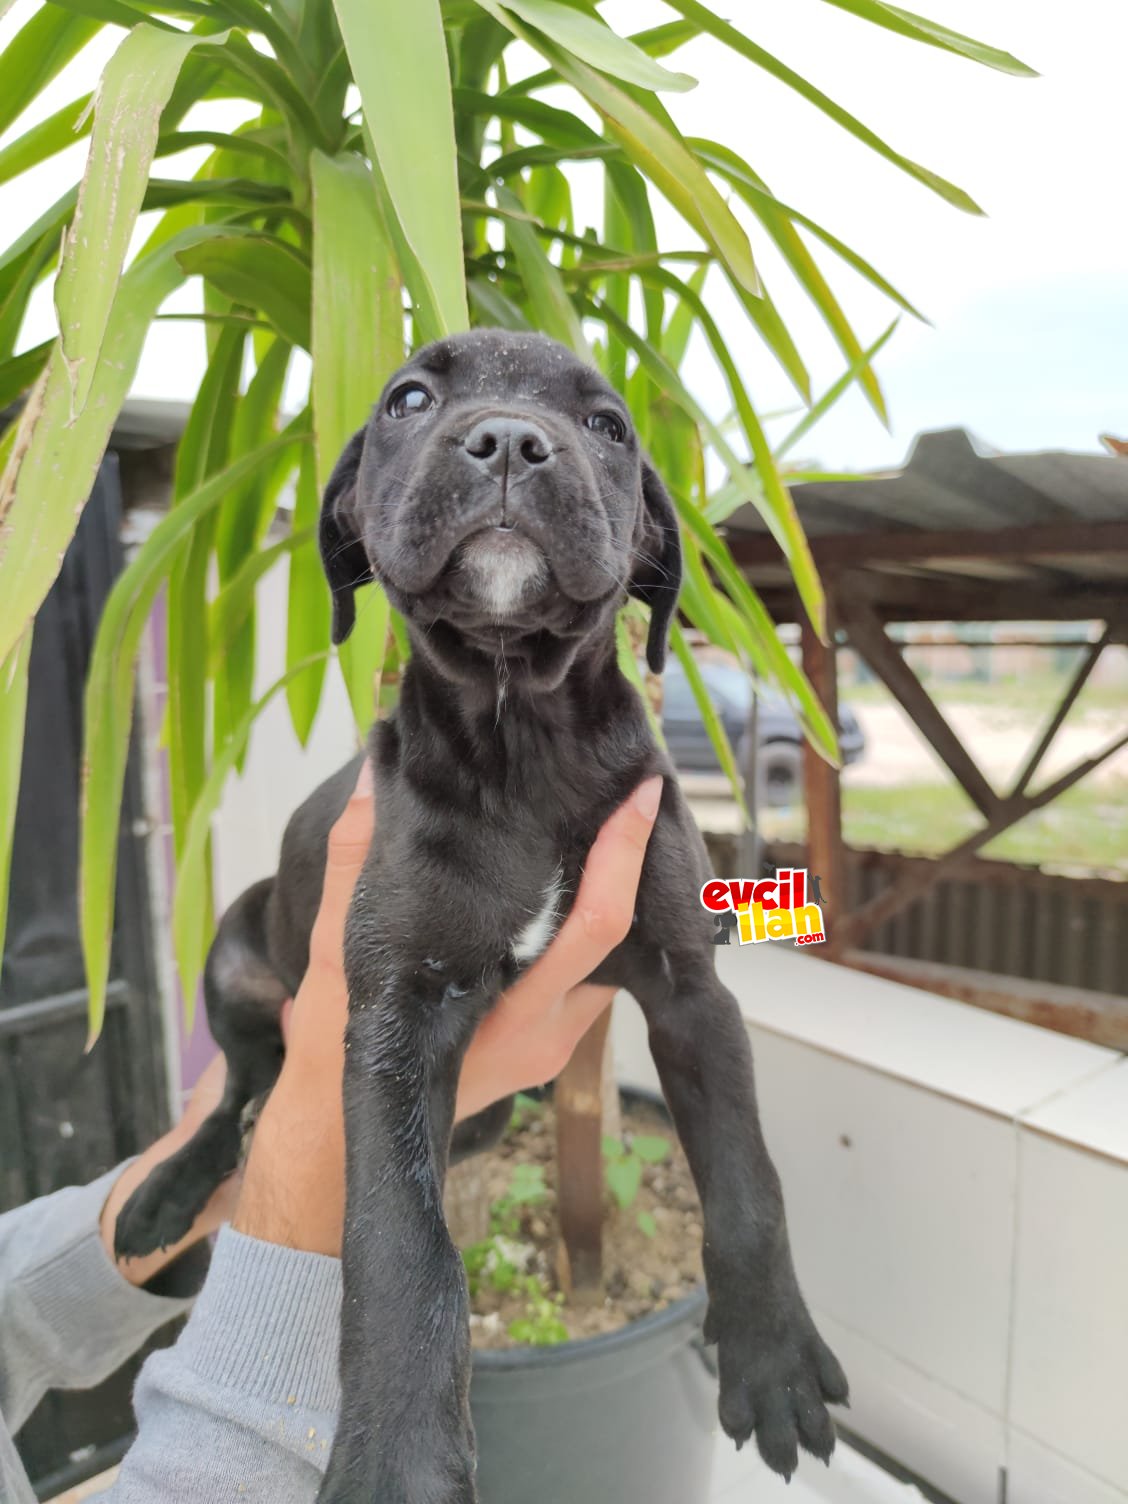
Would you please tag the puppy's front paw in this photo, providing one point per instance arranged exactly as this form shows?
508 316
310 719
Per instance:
160 1211
776 1385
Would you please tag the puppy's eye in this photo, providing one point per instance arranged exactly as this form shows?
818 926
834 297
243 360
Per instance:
408 400
608 426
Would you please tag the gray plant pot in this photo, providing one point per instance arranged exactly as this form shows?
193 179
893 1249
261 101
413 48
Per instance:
628 1417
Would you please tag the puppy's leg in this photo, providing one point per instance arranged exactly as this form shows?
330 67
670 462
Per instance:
404 1435
481 1132
244 1001
777 1375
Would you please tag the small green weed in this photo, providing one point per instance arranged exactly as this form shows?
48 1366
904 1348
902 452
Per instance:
623 1166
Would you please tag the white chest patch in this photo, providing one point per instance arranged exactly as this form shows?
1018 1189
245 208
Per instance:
534 937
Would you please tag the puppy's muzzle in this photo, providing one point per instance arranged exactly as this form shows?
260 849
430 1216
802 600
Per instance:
508 450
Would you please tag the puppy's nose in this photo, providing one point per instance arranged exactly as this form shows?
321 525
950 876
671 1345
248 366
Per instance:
505 447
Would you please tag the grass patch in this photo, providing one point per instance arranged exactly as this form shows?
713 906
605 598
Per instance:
1086 829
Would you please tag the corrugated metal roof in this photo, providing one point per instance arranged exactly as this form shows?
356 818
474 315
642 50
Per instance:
921 534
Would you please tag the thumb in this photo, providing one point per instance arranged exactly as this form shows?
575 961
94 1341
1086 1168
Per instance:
349 843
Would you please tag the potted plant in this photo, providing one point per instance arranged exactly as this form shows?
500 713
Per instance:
344 178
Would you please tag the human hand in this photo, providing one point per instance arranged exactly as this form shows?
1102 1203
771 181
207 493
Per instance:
294 1186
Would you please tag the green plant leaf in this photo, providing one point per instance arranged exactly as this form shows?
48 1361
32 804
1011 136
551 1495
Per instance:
108 708
17 282
657 149
409 116
587 37
110 701
711 719
751 624
920 29
190 917
21 371
55 454
548 298
132 94
235 602
243 521
13 708
735 39
356 285
493 305
647 1225
45 140
768 495
40 50
262 272
651 1148
362 657
308 612
203 450
818 410
624 1177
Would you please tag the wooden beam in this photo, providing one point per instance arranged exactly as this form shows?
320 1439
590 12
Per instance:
1099 1017
867 636
821 784
1046 540
1008 812
578 1100
1080 678
908 598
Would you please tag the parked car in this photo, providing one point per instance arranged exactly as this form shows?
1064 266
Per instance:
779 759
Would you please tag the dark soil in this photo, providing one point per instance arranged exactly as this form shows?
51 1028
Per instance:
642 1273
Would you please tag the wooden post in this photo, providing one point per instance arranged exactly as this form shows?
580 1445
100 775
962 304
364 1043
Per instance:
578 1097
820 781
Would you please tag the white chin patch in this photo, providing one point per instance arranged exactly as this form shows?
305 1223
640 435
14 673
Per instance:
502 570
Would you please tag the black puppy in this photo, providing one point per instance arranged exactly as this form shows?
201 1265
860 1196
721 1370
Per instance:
498 494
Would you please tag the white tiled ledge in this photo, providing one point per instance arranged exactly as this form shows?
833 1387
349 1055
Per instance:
983 1059
957 1194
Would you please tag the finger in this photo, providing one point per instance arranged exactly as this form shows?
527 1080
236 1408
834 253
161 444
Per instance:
350 840
604 907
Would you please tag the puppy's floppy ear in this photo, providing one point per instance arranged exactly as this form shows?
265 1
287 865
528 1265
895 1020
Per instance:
342 553
656 576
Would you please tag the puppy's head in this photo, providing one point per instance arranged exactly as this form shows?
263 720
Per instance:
499 495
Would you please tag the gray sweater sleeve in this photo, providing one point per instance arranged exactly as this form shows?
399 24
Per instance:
67 1318
243 1407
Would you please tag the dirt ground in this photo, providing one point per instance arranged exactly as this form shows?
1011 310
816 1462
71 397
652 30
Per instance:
644 1271
999 737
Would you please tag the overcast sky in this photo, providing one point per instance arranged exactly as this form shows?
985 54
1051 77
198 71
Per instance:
1029 347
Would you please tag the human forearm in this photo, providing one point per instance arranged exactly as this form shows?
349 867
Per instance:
244 1404
68 1317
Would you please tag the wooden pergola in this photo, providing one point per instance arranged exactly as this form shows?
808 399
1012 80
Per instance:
957 535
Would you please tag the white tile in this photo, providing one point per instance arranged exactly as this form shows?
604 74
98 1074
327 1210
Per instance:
1070 1383
900 1207
1038 1476
935 1433
989 1061
1093 1114
850 1479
